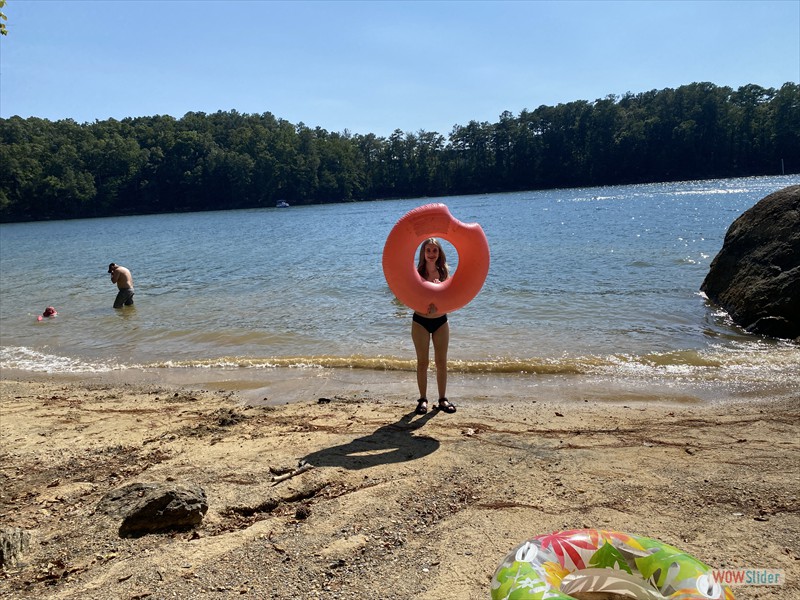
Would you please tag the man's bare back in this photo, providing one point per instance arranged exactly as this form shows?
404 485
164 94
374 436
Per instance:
122 277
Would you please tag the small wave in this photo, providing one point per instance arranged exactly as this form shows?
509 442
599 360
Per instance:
680 358
26 359
297 362
713 362
386 363
751 362
744 362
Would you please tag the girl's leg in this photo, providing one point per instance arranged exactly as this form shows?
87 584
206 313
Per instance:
441 342
422 345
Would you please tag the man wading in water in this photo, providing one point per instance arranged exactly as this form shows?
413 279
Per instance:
124 280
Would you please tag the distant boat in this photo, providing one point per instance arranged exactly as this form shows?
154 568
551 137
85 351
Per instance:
282 204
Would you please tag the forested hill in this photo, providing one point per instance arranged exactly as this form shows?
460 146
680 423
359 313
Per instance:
225 160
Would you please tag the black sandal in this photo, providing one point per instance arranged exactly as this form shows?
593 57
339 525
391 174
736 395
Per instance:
422 406
446 405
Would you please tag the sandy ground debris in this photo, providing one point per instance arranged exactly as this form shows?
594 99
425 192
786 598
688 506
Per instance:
396 506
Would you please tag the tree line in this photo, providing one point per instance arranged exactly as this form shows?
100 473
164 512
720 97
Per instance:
227 160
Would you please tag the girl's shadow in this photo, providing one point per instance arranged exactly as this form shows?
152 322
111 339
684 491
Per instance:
392 443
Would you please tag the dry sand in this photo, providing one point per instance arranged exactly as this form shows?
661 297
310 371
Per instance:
397 506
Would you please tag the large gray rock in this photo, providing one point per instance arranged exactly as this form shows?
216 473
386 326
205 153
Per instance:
756 275
153 507
14 542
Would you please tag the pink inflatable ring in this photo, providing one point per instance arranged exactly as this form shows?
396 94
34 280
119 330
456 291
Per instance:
399 260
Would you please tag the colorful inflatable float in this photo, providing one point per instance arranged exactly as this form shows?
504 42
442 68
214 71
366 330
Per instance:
591 561
399 261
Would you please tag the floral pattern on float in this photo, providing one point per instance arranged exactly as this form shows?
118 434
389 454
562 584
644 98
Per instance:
555 565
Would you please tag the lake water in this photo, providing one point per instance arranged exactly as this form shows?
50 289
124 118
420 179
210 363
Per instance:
595 282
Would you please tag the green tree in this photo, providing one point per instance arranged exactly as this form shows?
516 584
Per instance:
224 160
3 29
783 118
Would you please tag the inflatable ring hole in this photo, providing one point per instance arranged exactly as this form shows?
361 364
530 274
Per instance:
594 584
450 253
601 596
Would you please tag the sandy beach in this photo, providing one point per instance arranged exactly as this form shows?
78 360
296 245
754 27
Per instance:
396 506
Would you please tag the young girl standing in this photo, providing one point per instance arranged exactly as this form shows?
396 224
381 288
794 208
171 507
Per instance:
433 326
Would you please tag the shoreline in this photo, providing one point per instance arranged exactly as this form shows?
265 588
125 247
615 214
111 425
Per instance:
396 505
285 385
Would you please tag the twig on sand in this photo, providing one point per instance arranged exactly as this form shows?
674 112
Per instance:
302 468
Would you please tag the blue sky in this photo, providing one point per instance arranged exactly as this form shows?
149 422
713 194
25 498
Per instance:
377 66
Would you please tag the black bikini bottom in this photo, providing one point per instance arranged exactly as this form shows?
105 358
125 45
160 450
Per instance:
431 325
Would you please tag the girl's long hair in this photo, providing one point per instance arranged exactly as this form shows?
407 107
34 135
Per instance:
441 262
